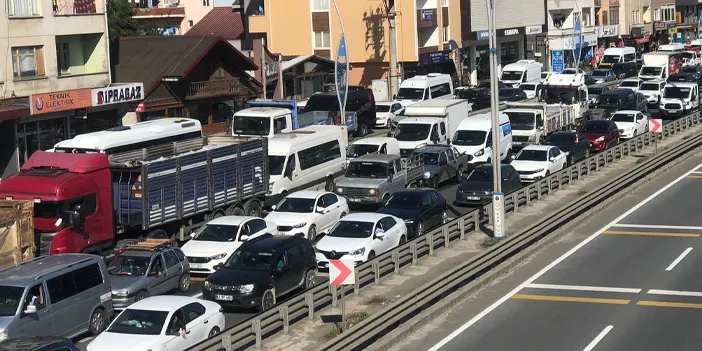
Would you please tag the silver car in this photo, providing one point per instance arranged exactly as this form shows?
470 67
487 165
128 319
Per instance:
137 273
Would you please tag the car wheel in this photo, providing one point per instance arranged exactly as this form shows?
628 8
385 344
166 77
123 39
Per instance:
403 240
266 301
548 173
184 282
371 255
459 174
343 214
329 186
388 124
98 321
312 233
310 279
213 332
420 228
362 130
435 182
141 295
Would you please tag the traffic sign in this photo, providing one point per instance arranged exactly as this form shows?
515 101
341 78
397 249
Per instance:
655 125
557 61
498 210
342 272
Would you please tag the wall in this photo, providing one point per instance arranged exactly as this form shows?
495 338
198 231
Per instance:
194 11
508 14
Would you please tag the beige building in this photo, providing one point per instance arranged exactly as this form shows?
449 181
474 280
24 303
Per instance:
174 17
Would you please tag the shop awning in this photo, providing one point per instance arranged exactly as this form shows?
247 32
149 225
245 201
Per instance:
14 108
641 40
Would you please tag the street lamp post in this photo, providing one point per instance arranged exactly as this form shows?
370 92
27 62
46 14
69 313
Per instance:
498 213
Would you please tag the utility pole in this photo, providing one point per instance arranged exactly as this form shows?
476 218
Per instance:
498 213
392 25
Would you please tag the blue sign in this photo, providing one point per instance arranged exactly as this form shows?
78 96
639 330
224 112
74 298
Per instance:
557 61
342 62
432 58
427 15
506 129
483 34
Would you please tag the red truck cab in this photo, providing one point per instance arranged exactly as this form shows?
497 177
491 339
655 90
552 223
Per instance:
72 196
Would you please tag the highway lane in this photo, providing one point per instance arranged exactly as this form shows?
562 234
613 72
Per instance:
631 286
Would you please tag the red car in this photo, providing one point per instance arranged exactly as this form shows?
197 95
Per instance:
601 133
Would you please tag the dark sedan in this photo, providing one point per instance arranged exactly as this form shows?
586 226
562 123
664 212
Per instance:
575 145
477 188
511 95
420 208
479 97
602 134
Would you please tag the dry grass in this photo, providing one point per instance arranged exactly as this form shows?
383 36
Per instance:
490 242
352 319
376 300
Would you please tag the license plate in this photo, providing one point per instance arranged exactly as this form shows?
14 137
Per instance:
670 111
224 297
196 265
355 200
475 198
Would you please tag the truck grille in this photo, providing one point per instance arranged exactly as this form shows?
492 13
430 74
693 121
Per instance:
672 106
356 191
520 138
44 241
406 152
332 255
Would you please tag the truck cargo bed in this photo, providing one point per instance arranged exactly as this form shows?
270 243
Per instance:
17 241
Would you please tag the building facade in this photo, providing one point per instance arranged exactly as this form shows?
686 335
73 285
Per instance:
571 31
172 17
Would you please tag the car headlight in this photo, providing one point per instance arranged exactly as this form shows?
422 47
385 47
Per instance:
410 220
300 225
246 289
358 252
121 293
532 137
539 170
3 335
339 190
600 139
427 174
372 191
208 285
480 152
218 256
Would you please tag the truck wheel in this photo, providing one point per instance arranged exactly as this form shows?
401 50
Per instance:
434 182
459 174
362 130
253 208
157 234
329 186
236 211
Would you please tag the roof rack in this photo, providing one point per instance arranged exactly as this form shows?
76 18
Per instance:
150 244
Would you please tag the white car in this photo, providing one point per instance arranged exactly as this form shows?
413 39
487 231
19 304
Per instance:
161 323
215 241
544 76
652 90
308 212
630 123
572 71
387 112
531 89
535 162
631 83
361 236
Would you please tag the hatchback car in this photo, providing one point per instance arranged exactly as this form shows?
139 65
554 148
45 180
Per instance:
602 75
630 123
420 209
386 113
262 270
625 70
575 145
478 187
602 134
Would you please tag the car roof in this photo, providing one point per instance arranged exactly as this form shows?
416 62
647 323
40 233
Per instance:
681 85
433 148
269 242
618 92
364 217
415 190
655 81
489 166
627 112
306 194
40 266
376 158
538 147
633 79
385 103
376 140
603 69
31 342
230 220
599 121
163 302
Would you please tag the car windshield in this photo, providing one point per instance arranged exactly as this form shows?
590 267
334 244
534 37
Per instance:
247 125
410 94
250 258
351 229
382 108
296 205
610 59
596 128
357 150
528 87
622 117
405 200
276 164
629 83
140 322
651 71
599 73
430 158
607 100
511 75
217 232
649 87
676 93
360 169
544 75
481 174
521 120
532 155
412 132
688 55
554 95
564 141
129 265
469 137
503 93
10 297
594 90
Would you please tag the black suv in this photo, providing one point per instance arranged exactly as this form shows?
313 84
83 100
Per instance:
359 100
261 270
616 100
625 70
479 97
38 343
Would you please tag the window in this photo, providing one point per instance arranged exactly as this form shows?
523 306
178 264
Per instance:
320 5
329 199
280 124
668 13
61 287
171 259
443 159
443 128
387 223
190 23
657 14
180 254
256 225
87 277
446 34
321 40
63 58
320 154
36 297
605 19
440 90
613 16
193 311
205 2
28 62
449 153
444 3
22 8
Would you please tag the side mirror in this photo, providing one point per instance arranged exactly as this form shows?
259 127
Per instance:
31 309
74 219
218 266
244 237
379 233
552 159
319 209
273 207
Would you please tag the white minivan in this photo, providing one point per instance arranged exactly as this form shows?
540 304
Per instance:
306 157
430 86
522 71
617 55
474 137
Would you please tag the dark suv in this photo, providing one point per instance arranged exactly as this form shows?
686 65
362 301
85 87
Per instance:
262 270
615 100
38 343
359 100
625 70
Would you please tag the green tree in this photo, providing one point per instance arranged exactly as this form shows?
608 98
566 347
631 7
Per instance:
122 24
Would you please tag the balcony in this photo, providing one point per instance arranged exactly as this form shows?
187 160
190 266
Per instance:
214 88
167 11
77 7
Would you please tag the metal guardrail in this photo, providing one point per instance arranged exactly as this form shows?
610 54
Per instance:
381 322
265 325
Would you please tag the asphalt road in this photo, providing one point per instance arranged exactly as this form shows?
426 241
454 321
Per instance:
633 285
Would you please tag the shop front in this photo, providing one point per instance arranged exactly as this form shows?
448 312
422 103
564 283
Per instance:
510 48
575 51
660 34
536 44
637 39
607 36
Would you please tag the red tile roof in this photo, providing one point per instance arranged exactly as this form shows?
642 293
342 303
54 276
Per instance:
219 22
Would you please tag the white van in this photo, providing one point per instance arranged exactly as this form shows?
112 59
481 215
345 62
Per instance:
415 132
419 88
306 157
373 145
617 55
672 48
522 71
474 137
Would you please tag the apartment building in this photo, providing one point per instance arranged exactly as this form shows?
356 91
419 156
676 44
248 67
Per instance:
172 17
571 31
606 25
54 76
675 21
632 23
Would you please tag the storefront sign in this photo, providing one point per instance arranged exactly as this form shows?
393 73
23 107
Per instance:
672 25
511 31
427 15
431 58
557 61
533 30
607 31
483 35
657 25
637 32
586 41
118 94
60 101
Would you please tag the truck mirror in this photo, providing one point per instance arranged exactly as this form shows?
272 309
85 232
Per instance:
74 218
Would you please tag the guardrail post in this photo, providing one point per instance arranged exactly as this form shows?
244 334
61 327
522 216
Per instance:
489 214
226 342
462 228
549 180
560 180
476 221
570 175
396 261
335 299
447 240
430 243
376 271
357 285
309 301
413 251
515 202
597 163
527 191
538 190
256 328
283 311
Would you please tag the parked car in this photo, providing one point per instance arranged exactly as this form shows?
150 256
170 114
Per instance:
386 112
161 323
477 188
630 123
309 212
625 70
602 75
420 209
652 90
602 134
511 95
536 162
631 83
38 343
594 91
575 145
262 270
142 270
442 163
216 241
478 97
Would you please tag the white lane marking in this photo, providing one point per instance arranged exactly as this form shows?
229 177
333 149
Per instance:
674 292
696 172
584 288
497 303
655 226
677 260
599 338
198 295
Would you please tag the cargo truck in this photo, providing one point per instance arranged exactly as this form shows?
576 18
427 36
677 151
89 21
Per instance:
430 122
86 200
660 65
16 232
532 123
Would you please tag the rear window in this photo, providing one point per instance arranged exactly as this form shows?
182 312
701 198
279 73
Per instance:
322 103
